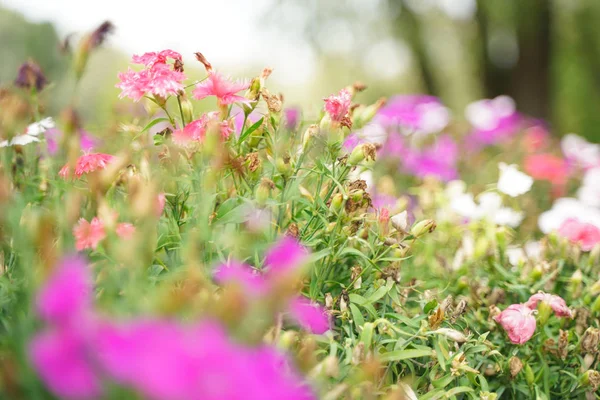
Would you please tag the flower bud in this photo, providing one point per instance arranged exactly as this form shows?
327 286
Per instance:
366 114
529 376
337 201
590 378
263 191
575 283
487 396
288 339
364 151
544 312
452 334
423 227
515 365
590 340
596 305
308 136
283 166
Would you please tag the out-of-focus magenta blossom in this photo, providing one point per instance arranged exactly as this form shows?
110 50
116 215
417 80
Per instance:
161 200
414 113
196 130
224 89
557 303
292 117
60 356
251 280
87 142
337 106
285 257
238 119
438 160
547 167
493 120
518 322
67 294
584 234
164 360
88 234
87 163
157 78
125 230
310 316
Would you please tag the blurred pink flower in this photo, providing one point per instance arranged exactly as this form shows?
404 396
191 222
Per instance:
535 138
559 306
87 163
518 322
196 130
152 58
161 200
310 316
292 117
60 357
224 89
250 280
438 160
86 141
67 294
337 106
415 113
125 230
493 120
88 234
582 233
547 167
285 257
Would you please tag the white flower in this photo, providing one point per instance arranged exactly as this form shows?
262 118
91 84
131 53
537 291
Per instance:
486 114
465 206
508 216
580 150
531 251
565 208
489 208
512 181
589 192
31 133
400 221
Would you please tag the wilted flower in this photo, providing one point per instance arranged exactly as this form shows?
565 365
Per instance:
582 233
512 181
224 89
87 163
415 113
518 322
30 75
337 106
558 305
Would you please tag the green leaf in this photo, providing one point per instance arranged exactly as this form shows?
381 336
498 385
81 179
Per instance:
249 131
430 306
379 293
457 390
151 124
399 355
356 316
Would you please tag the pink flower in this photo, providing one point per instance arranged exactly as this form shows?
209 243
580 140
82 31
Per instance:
88 234
125 230
337 106
196 130
60 358
66 295
493 120
536 138
157 78
87 163
559 306
547 167
582 233
249 279
418 113
161 200
286 257
224 89
438 160
518 322
310 316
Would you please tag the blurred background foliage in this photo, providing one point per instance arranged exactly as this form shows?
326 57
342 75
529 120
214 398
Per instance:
543 53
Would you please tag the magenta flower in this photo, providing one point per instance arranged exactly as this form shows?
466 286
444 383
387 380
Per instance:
493 120
518 322
60 358
337 106
292 117
585 235
157 78
312 317
67 294
87 142
416 113
224 89
557 303
439 160
249 279
285 257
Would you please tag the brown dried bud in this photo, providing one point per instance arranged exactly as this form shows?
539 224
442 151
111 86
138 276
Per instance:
436 319
590 340
459 310
515 366
581 319
563 343
359 86
98 36
200 57
293 230
358 353
355 276
178 65
30 76
274 102
494 311
253 161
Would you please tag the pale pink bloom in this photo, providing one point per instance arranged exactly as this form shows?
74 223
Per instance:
559 306
310 316
125 230
87 163
249 279
196 130
88 234
161 200
415 113
224 89
337 106
152 58
518 322
582 233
